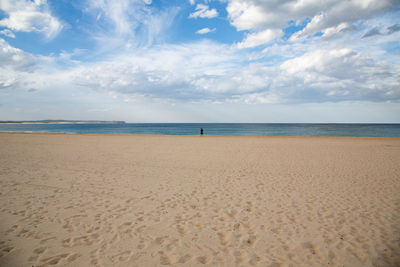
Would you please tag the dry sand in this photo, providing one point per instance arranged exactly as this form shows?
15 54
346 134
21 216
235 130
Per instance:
115 200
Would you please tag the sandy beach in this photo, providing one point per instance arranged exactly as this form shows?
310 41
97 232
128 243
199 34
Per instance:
127 200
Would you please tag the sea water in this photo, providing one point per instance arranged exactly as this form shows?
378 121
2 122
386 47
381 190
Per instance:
229 129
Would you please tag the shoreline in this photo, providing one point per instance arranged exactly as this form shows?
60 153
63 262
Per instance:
204 136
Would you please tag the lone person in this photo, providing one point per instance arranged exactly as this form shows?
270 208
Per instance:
201 131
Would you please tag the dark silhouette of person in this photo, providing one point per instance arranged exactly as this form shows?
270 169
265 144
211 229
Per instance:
201 131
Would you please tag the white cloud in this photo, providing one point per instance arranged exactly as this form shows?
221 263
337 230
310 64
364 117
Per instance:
169 71
12 58
203 11
259 38
337 30
8 33
124 14
205 30
28 16
323 61
215 73
156 77
127 23
257 15
246 15
342 74
15 65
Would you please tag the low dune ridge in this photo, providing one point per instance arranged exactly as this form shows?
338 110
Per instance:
130 200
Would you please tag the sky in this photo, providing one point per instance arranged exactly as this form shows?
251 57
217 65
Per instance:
200 60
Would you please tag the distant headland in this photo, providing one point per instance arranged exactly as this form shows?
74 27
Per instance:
62 122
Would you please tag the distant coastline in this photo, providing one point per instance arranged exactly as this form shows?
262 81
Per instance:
62 122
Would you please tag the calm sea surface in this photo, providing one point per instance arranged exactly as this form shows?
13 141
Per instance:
232 129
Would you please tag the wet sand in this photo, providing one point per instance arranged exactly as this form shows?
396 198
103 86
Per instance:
127 200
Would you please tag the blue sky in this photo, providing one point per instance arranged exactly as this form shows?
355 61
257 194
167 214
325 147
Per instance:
200 60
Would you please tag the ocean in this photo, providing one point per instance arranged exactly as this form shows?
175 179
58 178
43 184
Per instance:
229 129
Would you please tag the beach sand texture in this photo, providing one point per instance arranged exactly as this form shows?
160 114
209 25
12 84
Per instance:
120 200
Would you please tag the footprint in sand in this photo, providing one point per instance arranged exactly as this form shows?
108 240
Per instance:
160 240
185 258
141 229
203 259
43 241
55 259
122 257
241 256
73 257
255 259
37 252
251 240
224 238
310 247
5 249
167 258
85 240
142 244
12 229
182 229
174 244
